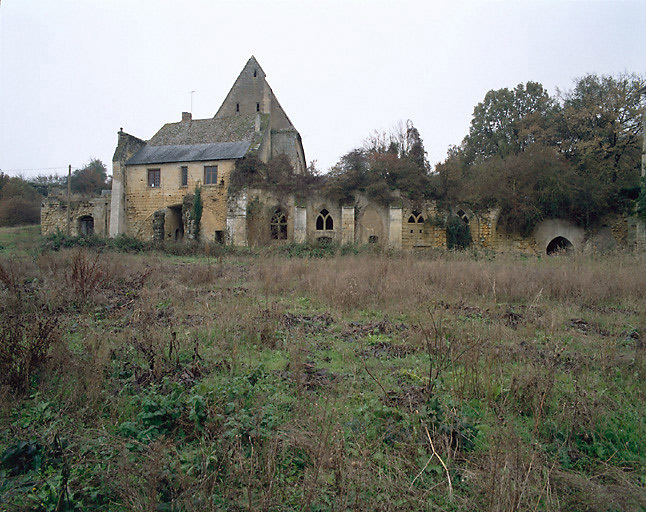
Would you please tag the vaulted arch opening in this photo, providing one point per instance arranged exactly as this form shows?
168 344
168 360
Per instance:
559 245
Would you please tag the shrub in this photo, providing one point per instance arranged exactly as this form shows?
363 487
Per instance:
15 211
27 330
458 235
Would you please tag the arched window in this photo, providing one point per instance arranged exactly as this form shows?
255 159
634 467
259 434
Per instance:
278 225
324 221
463 216
416 218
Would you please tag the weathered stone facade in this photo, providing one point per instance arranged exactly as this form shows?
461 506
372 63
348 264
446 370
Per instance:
153 179
87 215
155 182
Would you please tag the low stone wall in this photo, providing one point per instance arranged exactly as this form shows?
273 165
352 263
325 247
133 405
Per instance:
53 215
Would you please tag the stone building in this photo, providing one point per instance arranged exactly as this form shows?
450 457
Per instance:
154 183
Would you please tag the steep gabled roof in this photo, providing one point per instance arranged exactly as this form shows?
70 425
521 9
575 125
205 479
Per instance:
249 89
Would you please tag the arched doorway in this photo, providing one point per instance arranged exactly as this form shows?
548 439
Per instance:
86 225
559 245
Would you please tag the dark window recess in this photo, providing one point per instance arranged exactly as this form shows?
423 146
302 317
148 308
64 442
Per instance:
324 221
373 239
257 107
278 226
184 176
219 237
210 174
255 73
154 177
237 107
415 218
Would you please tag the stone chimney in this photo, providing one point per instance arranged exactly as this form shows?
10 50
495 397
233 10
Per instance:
186 116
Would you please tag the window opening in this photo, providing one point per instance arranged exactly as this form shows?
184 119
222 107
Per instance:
278 226
257 107
373 239
324 221
237 107
416 218
219 237
184 177
210 174
255 73
154 177
463 216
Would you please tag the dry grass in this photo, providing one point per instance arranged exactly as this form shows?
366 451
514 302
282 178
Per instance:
380 381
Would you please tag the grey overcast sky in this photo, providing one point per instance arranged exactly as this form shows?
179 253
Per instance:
73 72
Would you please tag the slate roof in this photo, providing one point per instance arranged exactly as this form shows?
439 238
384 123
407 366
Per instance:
201 140
169 153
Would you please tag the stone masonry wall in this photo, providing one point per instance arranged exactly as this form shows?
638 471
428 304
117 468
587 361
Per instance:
142 201
53 214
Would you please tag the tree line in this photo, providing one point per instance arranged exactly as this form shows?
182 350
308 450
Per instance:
575 155
20 199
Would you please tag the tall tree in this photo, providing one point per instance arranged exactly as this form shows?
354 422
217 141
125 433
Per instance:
91 178
507 121
601 129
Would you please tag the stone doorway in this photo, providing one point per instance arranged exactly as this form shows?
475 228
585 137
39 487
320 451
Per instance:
174 224
86 225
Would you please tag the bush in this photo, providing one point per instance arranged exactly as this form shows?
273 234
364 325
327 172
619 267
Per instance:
458 235
15 211
27 330
318 249
641 201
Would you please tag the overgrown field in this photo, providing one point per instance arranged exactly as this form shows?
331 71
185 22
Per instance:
382 382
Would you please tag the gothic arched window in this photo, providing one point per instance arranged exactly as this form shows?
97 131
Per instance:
324 221
278 225
415 218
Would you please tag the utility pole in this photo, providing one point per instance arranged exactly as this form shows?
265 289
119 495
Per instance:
69 205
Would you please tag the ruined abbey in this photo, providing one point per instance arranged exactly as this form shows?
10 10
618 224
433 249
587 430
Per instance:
154 184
